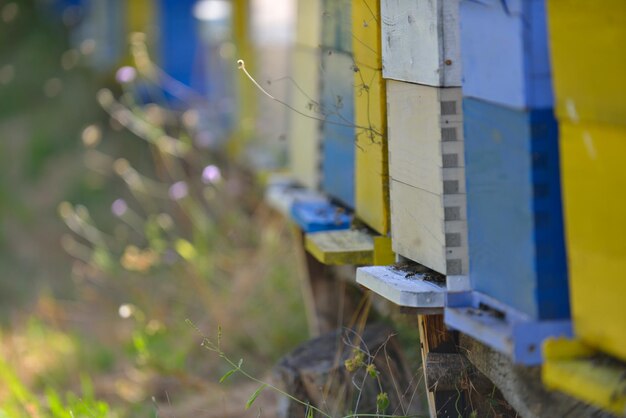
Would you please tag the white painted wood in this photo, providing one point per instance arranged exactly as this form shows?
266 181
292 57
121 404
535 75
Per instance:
421 233
425 129
425 143
420 41
401 288
427 175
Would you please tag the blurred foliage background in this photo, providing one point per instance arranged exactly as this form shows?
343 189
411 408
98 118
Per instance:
110 241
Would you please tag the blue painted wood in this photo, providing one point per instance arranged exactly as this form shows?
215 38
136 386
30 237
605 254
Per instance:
504 51
178 45
515 225
501 327
338 132
316 216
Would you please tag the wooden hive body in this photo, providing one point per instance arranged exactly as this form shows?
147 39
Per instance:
589 80
504 51
304 133
420 41
516 243
337 102
371 169
426 158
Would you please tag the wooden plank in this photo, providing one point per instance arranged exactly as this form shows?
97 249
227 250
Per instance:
341 247
583 36
337 100
371 169
516 243
401 287
593 174
573 368
502 327
425 136
354 247
504 51
421 231
421 41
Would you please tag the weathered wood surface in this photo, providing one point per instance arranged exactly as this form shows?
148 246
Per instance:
504 50
354 246
420 41
341 247
316 373
407 288
427 186
522 387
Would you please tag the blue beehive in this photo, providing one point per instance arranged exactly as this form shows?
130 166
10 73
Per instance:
337 102
504 52
178 49
515 236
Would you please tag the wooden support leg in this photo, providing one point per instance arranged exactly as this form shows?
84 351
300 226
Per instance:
435 338
330 301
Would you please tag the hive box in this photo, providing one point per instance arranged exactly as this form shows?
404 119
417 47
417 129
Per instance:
426 166
515 229
420 41
337 102
504 51
304 133
372 176
593 175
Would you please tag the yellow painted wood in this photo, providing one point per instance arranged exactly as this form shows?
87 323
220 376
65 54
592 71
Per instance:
568 367
245 91
304 133
383 254
341 247
588 65
140 16
372 178
593 176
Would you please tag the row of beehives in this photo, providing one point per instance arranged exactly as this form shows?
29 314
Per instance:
433 123
458 134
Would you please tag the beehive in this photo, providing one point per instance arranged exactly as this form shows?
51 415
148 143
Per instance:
426 167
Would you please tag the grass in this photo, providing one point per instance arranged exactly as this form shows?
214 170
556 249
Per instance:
95 331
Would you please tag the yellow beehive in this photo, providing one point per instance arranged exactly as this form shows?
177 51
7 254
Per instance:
371 184
304 132
592 166
587 63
